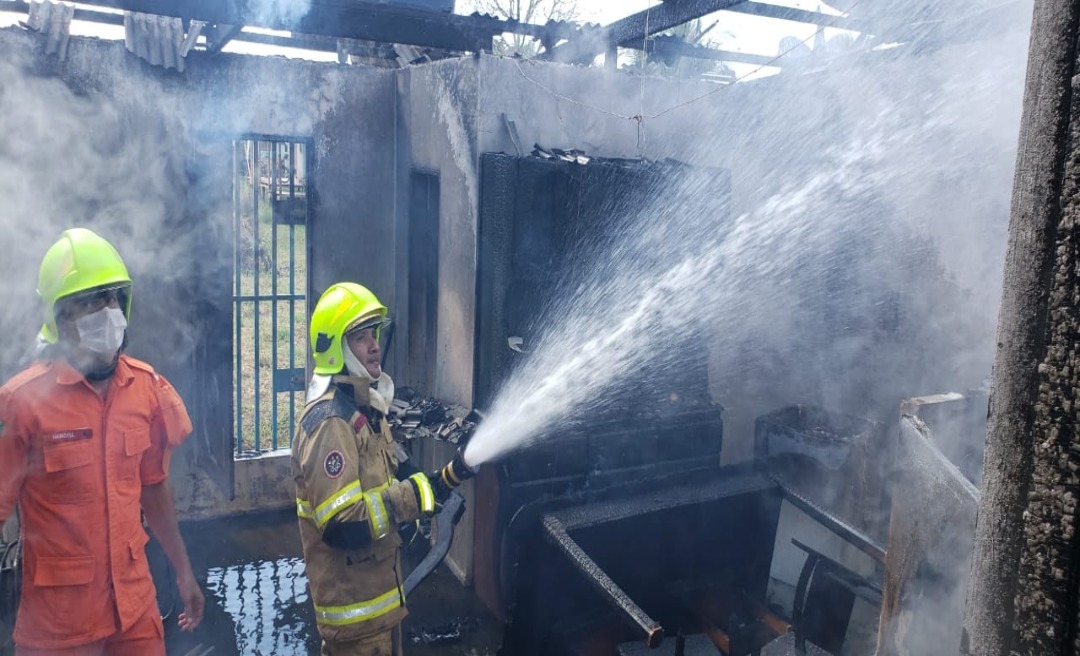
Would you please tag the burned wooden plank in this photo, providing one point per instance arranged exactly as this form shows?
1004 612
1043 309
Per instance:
931 530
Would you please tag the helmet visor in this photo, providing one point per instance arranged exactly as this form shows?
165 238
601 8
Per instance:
91 300
378 322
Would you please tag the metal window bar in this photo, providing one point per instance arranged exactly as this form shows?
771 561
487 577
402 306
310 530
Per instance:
256 228
277 170
292 276
238 155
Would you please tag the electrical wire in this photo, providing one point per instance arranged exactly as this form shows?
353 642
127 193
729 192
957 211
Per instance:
568 99
644 69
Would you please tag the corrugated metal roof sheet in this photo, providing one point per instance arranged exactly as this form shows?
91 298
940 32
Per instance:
53 20
160 40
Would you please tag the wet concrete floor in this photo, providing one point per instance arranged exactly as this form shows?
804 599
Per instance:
257 599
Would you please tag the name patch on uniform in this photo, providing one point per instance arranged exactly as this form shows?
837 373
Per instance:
72 435
334 464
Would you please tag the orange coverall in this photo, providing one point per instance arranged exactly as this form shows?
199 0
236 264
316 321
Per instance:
75 465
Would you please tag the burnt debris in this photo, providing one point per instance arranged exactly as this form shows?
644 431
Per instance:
413 417
444 634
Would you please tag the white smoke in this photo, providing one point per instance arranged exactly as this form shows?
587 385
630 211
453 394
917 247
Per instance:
278 13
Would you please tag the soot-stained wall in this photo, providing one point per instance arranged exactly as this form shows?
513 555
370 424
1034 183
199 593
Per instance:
440 111
900 163
142 155
437 135
106 140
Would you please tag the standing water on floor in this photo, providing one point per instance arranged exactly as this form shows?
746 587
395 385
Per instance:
253 577
860 260
268 603
257 600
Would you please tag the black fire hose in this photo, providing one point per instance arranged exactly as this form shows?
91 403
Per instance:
445 521
10 589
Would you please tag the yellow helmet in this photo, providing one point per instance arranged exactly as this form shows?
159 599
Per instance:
81 260
343 307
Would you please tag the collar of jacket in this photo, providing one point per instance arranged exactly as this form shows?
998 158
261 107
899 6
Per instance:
354 387
68 375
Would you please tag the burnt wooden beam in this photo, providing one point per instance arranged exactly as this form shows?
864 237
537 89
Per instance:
349 19
634 29
798 15
218 36
669 47
650 631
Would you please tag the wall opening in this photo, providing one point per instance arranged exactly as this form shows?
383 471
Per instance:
271 212
423 279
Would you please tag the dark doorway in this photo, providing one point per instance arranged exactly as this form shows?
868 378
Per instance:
423 279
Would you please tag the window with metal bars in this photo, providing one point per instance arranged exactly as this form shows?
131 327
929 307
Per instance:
271 211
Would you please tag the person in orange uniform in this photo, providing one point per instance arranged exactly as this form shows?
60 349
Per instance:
85 438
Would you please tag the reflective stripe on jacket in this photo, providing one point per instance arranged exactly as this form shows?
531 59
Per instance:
344 467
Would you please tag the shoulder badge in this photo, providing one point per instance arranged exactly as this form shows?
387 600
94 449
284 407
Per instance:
334 464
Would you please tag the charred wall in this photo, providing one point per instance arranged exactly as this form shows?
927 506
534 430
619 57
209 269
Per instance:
437 139
373 128
925 145
439 110
890 313
106 141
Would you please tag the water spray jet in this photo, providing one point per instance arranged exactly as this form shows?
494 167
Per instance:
683 265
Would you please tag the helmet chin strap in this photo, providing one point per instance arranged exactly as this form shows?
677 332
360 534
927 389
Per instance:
381 393
357 368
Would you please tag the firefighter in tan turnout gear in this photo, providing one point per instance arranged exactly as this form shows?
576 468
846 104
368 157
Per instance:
352 490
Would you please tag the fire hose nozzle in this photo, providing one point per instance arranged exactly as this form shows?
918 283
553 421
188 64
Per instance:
456 471
452 475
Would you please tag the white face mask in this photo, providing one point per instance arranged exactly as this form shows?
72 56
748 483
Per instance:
102 332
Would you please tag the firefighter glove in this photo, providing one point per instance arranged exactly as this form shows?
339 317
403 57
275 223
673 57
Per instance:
425 493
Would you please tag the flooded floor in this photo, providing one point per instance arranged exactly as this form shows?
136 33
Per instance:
257 600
